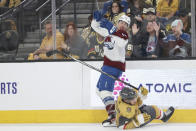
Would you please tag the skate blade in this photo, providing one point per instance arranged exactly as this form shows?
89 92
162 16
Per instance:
107 124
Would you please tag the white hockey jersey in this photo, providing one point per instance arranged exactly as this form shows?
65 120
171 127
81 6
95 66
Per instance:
114 46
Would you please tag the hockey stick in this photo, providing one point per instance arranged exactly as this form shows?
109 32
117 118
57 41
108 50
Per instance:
66 54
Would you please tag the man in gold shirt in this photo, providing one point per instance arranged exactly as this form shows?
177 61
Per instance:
47 44
167 8
132 113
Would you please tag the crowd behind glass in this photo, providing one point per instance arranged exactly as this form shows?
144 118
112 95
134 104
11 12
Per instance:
159 29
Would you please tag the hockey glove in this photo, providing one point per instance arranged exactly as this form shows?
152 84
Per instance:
106 6
138 121
142 119
97 15
104 23
143 91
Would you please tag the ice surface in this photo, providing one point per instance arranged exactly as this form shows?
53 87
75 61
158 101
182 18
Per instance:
94 127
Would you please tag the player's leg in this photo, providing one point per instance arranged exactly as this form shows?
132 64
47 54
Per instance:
164 116
105 88
108 100
151 111
157 113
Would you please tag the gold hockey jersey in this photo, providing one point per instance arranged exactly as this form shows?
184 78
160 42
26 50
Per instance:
126 110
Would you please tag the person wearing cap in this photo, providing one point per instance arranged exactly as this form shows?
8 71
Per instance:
116 39
179 42
150 15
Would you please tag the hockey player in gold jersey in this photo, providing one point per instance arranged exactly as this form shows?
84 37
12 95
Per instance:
132 113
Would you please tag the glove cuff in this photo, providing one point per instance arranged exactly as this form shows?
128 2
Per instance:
113 29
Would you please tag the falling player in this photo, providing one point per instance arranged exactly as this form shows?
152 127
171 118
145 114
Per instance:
116 39
132 113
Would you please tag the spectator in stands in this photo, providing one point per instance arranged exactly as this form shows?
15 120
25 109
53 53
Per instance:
179 42
146 43
74 43
95 50
88 31
151 2
8 36
47 44
167 8
114 9
150 15
183 14
135 11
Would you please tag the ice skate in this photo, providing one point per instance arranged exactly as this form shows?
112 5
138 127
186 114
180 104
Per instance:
168 114
110 122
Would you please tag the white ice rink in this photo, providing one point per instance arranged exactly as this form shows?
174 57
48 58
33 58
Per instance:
93 127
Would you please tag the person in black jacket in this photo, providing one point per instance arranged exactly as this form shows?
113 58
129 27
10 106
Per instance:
146 43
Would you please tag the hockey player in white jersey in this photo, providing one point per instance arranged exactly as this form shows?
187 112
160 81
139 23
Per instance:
116 39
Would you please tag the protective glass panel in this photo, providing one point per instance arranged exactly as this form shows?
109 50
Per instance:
57 29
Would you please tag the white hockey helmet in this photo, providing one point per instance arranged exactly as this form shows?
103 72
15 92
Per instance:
125 18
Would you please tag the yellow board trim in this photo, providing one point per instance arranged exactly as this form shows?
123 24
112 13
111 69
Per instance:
78 116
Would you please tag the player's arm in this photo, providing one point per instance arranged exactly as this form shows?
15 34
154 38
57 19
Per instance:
137 121
101 25
96 26
124 112
142 93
